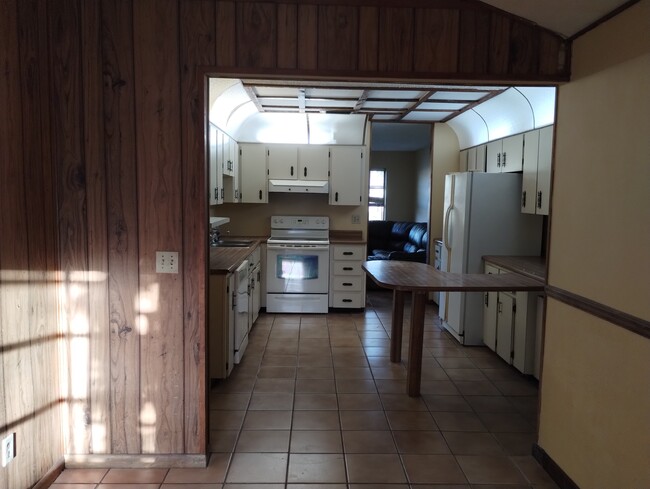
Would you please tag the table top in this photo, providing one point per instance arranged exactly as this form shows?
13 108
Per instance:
414 276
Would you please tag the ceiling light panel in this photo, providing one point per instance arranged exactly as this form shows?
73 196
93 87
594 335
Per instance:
396 94
387 105
344 104
453 95
278 102
333 93
289 92
426 116
440 106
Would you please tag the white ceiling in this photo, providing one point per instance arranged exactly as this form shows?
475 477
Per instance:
565 17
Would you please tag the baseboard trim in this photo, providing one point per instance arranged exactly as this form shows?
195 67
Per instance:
135 461
553 469
51 475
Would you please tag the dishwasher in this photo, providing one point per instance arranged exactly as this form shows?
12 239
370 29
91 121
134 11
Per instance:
241 311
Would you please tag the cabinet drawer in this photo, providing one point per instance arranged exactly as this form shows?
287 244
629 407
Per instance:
347 283
349 253
347 268
347 299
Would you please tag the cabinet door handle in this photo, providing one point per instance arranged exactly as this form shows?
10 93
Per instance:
347 300
292 171
498 160
348 253
222 192
348 269
504 158
539 199
336 197
305 171
487 299
523 199
216 193
500 307
260 195
347 284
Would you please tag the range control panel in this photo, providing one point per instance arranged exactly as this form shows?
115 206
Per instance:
300 222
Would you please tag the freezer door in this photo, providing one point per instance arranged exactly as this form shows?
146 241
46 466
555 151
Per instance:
454 251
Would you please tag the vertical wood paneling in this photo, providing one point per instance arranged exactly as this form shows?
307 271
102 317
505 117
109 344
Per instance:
338 30
287 36
551 55
308 37
473 49
41 219
97 276
368 38
197 48
121 173
67 144
436 40
160 223
256 35
499 44
396 39
18 397
226 34
524 49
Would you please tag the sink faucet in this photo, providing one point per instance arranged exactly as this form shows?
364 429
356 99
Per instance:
215 236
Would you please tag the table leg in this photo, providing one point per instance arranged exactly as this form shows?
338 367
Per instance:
396 327
414 372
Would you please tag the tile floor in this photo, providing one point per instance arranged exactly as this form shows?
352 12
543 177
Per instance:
316 404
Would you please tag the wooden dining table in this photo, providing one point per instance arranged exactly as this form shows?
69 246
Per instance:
404 277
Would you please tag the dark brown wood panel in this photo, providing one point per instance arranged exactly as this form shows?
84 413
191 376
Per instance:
338 29
287 36
197 48
122 222
368 38
308 37
40 215
499 51
67 153
160 295
395 39
553 54
436 40
473 50
524 49
256 35
98 319
226 35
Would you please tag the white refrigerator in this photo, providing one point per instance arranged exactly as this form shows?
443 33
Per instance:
482 216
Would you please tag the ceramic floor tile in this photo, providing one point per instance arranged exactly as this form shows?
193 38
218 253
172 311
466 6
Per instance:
270 360
359 402
352 373
446 403
226 420
316 420
438 387
375 468
319 402
462 443
66 485
490 469
402 402
323 386
323 441
129 485
229 402
355 386
263 441
214 473
433 469
422 442
223 440
491 404
274 386
258 468
516 443
134 476
532 470
410 420
476 388
267 420
450 421
81 476
315 373
368 442
270 402
314 468
363 420
506 422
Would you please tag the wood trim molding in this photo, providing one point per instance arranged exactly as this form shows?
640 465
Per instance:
51 475
135 461
614 316
553 469
602 20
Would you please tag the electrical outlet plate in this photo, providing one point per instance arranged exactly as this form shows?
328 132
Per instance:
356 219
166 262
8 449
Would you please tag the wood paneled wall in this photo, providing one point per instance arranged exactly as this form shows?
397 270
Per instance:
102 145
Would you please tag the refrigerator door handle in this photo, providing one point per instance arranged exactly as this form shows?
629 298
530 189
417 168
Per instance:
446 230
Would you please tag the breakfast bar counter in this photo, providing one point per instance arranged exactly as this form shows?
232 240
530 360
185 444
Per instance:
420 279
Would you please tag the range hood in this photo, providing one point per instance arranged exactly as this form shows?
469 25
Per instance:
299 186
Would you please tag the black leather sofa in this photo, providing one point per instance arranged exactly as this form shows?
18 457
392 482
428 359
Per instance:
397 240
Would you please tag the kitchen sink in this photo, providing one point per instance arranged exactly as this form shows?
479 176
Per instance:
233 243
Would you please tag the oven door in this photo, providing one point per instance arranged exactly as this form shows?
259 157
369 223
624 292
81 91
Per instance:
297 269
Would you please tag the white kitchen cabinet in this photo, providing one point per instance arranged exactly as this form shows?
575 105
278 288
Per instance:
255 287
536 183
229 155
347 278
510 325
313 162
215 169
253 173
473 159
505 155
463 162
221 325
282 161
346 167
231 180
479 160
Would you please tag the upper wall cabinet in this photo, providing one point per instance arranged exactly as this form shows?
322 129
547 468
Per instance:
536 182
313 162
283 161
253 173
346 169
505 155
215 168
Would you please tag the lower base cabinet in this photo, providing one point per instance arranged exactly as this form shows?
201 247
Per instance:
510 323
221 325
347 278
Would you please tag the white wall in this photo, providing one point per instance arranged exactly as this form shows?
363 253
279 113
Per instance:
445 159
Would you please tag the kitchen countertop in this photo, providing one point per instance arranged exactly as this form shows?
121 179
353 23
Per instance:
530 266
224 260
346 237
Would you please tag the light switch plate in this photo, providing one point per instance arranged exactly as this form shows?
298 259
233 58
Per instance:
166 262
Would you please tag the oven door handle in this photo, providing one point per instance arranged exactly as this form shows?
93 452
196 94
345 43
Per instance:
297 248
